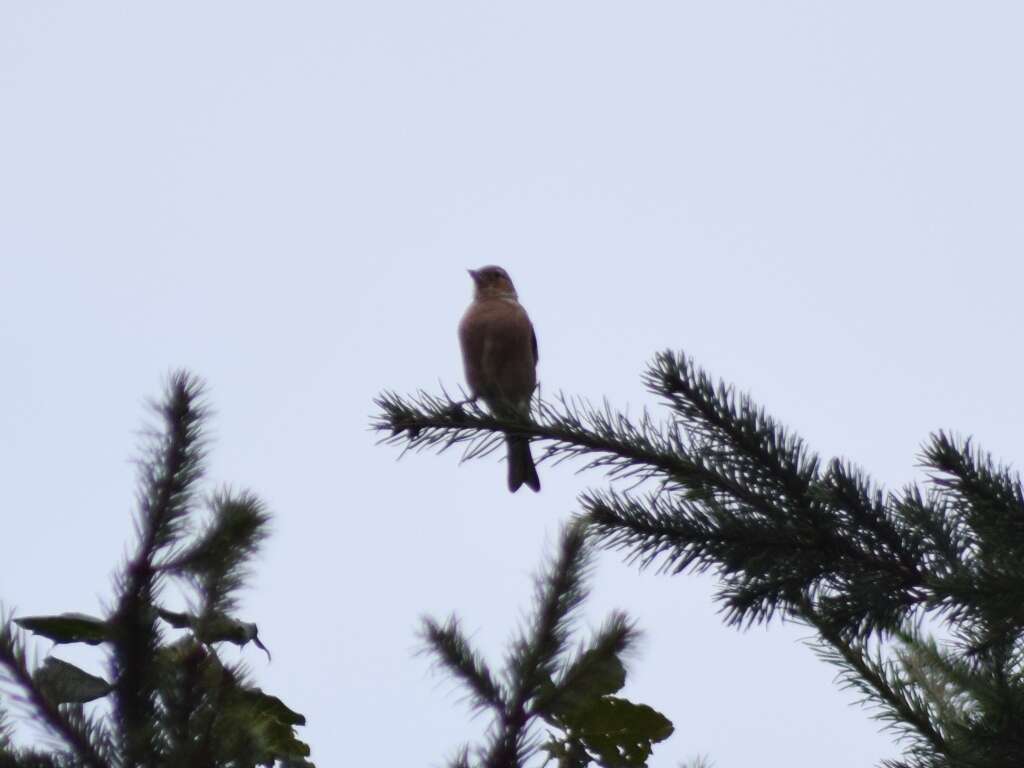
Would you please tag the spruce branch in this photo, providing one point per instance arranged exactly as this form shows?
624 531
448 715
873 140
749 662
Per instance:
758 484
983 491
542 680
881 684
167 485
559 592
572 427
938 536
595 669
455 654
946 685
81 736
218 559
790 535
755 445
168 478
172 704
862 508
986 505
978 707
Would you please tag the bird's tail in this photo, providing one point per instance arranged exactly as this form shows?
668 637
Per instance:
521 469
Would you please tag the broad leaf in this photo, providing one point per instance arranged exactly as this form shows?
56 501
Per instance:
64 683
591 676
267 725
619 733
68 628
264 705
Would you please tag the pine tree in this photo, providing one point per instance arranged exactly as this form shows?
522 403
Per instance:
915 595
173 700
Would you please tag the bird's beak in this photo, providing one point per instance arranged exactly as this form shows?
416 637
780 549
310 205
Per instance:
473 274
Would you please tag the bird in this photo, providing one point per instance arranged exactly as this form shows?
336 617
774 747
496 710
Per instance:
499 354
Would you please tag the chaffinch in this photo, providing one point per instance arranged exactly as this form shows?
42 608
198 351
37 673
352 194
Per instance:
499 353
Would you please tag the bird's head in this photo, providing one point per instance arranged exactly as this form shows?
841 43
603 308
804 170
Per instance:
493 283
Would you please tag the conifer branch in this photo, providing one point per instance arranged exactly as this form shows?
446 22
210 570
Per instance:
218 560
541 680
881 684
454 652
613 640
82 737
573 428
172 704
175 465
755 446
738 494
534 657
765 480
168 480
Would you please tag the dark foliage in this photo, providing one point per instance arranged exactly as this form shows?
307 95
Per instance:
173 701
720 486
544 682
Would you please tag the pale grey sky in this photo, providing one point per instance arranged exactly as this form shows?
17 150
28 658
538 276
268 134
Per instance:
820 201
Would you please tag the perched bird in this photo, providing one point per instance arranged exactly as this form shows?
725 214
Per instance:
499 353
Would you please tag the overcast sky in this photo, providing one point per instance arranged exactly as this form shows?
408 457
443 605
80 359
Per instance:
821 202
